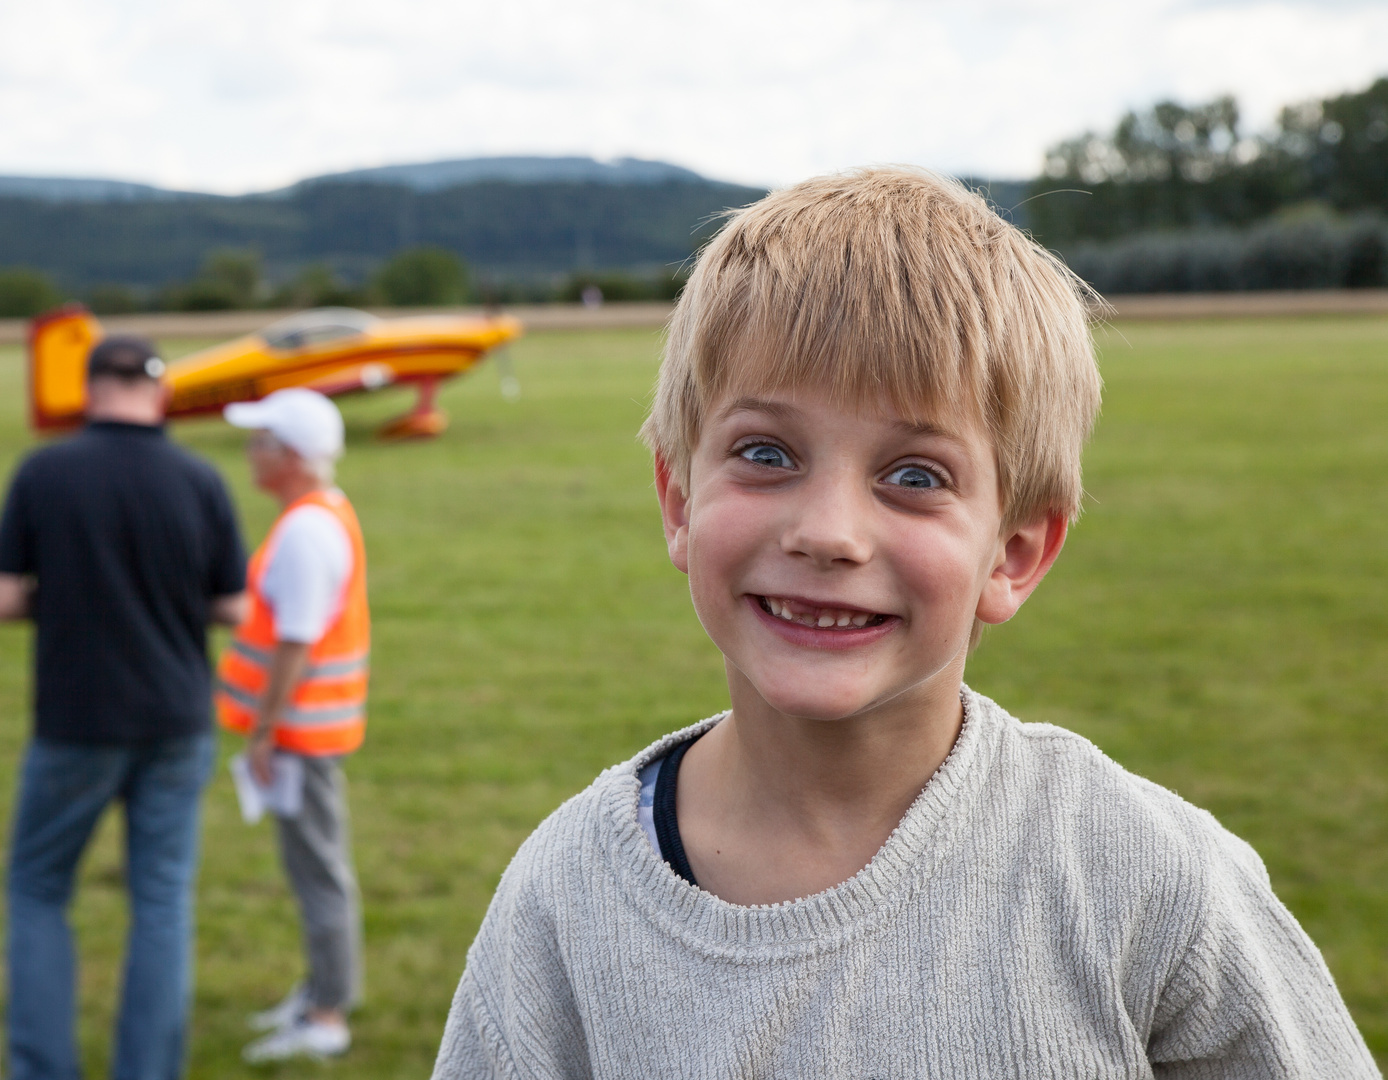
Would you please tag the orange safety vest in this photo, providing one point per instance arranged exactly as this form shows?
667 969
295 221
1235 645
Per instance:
326 713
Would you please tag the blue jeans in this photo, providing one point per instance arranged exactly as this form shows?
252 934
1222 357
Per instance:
63 790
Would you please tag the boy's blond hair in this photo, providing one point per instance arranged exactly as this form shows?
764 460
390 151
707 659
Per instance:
890 283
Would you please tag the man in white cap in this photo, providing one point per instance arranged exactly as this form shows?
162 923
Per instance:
294 681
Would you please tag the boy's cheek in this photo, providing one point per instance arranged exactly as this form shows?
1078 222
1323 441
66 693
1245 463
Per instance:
724 536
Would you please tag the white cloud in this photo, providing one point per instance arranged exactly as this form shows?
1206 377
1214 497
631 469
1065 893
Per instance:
234 95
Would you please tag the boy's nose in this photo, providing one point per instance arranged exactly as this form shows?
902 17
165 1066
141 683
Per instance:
829 527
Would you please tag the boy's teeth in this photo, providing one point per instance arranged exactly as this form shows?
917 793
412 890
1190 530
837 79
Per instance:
822 618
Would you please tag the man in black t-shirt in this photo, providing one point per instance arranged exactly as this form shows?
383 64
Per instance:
121 547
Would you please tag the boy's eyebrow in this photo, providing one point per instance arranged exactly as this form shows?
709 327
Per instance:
924 427
784 411
778 409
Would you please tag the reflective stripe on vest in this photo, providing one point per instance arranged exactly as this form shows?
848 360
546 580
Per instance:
331 669
326 713
299 716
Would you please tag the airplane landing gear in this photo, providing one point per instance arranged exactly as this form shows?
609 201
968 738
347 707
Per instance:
424 421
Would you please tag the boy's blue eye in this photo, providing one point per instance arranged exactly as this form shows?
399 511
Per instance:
912 476
772 456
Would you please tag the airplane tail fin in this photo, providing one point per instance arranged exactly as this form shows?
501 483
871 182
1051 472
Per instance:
59 342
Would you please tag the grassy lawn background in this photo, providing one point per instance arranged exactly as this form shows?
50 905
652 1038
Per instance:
1217 623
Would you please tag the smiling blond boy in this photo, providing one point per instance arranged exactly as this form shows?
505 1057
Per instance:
867 435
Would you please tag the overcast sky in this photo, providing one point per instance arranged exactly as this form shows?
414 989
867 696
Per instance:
241 95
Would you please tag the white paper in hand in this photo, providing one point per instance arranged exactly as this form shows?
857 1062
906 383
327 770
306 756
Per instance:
284 797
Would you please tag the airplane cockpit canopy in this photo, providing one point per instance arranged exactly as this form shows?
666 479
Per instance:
316 327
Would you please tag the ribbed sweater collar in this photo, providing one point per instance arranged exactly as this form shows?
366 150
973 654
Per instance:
817 923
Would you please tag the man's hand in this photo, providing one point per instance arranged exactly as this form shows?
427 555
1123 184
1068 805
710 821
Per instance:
16 590
231 609
260 752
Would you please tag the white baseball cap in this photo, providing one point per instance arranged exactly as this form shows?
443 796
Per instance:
304 420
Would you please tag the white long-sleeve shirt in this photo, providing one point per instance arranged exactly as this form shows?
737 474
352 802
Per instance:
1039 912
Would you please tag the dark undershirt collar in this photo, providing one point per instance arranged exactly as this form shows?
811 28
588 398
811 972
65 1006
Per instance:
667 829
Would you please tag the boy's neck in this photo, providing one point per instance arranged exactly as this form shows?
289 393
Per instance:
774 808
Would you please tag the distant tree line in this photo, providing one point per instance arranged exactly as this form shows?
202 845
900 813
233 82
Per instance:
1179 198
416 277
1177 166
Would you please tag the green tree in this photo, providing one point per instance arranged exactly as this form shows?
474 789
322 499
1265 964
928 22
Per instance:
229 278
112 299
1175 166
317 286
25 292
1172 166
423 277
1338 148
1169 141
237 272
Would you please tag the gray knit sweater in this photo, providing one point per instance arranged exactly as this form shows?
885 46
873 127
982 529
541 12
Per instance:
1039 912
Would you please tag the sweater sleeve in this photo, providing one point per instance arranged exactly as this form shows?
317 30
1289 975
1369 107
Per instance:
472 1047
1252 997
515 1013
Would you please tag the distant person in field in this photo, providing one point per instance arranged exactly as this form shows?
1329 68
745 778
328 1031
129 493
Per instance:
867 432
121 547
293 681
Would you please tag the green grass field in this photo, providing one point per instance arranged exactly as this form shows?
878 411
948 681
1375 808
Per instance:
1219 623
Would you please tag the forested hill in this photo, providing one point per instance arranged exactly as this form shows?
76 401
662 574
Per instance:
637 216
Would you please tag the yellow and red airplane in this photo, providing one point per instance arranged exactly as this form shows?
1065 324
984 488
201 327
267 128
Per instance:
332 350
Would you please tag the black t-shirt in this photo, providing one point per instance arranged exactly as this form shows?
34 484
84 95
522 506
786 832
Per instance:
129 537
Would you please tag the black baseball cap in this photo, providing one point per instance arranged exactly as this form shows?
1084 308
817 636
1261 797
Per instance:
125 356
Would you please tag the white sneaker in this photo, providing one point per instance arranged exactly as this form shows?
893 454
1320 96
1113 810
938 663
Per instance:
283 1014
303 1038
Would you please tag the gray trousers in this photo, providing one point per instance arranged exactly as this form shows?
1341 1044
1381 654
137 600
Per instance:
317 851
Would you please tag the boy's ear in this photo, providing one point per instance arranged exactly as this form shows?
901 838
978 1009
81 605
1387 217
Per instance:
674 506
1024 556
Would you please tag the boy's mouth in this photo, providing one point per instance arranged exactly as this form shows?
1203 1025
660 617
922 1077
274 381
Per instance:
821 618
